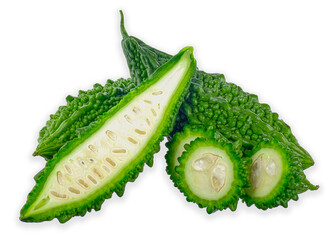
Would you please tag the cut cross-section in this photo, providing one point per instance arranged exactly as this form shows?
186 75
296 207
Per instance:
102 160
209 174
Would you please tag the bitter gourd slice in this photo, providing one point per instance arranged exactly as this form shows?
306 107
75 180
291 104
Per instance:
143 59
176 146
75 118
276 176
211 175
113 151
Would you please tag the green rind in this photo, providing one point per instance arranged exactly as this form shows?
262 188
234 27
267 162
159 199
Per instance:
293 180
240 181
73 119
142 60
173 144
130 172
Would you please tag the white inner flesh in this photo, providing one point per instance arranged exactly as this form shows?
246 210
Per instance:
209 173
100 158
266 171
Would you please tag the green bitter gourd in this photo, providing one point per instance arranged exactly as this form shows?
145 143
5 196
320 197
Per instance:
211 175
142 60
276 176
113 151
75 118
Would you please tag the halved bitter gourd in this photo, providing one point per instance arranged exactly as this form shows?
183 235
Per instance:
176 147
211 175
102 160
276 176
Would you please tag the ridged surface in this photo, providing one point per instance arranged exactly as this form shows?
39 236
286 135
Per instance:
75 118
143 60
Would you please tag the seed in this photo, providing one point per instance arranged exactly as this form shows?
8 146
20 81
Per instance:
92 148
60 179
92 179
68 169
59 195
136 110
128 118
271 167
111 162
147 101
218 177
202 164
132 140
98 173
211 156
83 183
92 160
148 121
119 150
157 93
153 112
82 162
141 132
111 135
255 177
74 190
105 168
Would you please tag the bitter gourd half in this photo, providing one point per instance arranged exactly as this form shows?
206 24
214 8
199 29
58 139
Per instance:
142 60
113 151
75 118
276 176
211 175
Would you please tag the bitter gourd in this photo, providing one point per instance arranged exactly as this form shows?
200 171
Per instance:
211 175
276 176
113 151
142 60
75 118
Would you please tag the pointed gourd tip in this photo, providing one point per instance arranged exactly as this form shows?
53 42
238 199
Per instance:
122 25
35 153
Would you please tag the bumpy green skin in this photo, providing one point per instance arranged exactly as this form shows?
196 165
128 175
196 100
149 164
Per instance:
129 173
143 60
75 118
240 181
172 145
292 182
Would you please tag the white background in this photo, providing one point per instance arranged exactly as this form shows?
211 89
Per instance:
279 50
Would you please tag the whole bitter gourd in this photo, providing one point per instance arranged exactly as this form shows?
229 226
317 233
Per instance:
114 149
74 119
211 175
142 60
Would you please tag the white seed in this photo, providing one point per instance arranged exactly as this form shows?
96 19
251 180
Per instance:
141 132
271 167
202 164
58 195
147 101
136 110
128 118
218 177
132 140
111 135
92 148
119 150
157 93
93 180
105 168
148 122
153 112
82 163
74 190
60 179
82 183
68 169
111 162
98 173
92 160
